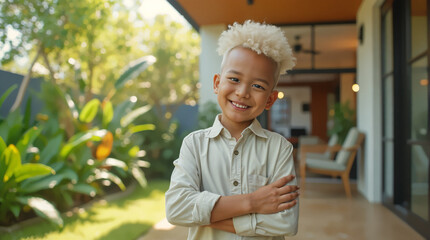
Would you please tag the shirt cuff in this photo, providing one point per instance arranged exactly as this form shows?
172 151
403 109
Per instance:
202 210
245 225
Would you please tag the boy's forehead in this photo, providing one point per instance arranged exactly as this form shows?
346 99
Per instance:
242 55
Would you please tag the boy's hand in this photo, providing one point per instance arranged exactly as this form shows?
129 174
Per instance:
274 197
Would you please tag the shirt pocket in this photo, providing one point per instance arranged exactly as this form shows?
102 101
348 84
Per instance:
255 182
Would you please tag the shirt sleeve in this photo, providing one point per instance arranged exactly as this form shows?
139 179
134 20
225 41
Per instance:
186 205
284 223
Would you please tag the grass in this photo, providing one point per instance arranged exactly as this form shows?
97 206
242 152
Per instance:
126 218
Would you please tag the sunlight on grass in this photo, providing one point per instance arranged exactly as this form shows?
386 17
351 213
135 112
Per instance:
126 218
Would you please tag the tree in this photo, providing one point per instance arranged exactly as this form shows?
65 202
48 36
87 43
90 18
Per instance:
173 79
46 27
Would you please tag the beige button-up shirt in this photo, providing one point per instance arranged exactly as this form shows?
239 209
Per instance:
212 163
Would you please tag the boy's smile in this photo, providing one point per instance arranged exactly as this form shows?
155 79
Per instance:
244 87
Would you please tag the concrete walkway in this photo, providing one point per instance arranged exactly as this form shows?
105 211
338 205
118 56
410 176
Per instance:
326 214
165 231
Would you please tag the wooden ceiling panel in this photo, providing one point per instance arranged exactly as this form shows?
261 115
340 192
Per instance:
209 12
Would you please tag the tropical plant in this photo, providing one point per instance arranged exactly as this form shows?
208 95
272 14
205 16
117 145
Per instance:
207 114
84 151
100 146
14 195
342 118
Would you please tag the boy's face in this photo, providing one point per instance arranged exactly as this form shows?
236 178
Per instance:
245 86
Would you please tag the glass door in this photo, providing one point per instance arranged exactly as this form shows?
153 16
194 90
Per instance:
418 141
405 110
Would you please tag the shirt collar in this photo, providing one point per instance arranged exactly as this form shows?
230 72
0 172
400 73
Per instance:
255 127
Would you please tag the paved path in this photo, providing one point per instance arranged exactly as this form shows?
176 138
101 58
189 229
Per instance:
163 230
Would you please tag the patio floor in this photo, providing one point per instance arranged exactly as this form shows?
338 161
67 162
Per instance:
325 213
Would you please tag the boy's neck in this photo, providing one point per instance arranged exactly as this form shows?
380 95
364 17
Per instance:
235 128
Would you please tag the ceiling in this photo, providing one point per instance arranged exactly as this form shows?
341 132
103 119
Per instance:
209 12
325 26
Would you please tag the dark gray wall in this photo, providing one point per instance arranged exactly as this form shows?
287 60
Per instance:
7 79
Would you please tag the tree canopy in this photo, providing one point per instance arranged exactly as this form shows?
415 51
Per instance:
85 45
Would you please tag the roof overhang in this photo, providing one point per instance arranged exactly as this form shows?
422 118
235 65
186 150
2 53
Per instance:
279 12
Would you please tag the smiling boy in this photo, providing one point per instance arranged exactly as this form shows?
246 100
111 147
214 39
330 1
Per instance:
235 180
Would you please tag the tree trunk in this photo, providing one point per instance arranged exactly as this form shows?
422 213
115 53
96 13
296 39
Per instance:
25 82
48 65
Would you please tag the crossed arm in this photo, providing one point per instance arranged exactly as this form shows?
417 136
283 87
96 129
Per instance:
271 210
268 199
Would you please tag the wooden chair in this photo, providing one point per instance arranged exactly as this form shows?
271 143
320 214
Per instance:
318 149
340 166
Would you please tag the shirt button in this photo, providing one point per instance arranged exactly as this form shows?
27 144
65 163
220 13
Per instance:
236 152
235 183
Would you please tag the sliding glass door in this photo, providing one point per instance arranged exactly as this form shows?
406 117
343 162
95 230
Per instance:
405 97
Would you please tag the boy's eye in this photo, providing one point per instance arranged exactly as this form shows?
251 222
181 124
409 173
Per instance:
258 86
234 79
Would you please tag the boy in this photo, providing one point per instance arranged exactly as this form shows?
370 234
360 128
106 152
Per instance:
229 181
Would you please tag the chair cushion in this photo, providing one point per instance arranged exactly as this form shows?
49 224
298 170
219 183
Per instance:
318 155
350 140
325 164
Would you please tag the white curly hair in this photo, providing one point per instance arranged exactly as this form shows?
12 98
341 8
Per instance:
261 38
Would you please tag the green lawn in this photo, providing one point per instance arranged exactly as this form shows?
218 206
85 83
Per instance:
126 218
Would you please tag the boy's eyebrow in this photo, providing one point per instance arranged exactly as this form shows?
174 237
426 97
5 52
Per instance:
239 73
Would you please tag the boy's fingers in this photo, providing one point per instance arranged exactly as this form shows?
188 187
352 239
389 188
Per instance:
287 205
282 181
289 197
288 189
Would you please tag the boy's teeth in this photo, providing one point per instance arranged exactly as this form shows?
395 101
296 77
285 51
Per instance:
238 105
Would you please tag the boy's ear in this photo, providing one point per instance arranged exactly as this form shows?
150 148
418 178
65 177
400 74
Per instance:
217 78
271 100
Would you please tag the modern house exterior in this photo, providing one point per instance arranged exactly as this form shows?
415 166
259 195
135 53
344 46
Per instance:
381 45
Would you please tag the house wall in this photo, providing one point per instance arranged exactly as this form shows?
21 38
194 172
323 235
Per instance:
369 101
210 61
346 93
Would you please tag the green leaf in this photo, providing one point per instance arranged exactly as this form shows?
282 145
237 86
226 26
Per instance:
107 113
142 127
89 111
71 104
51 149
29 170
120 110
2 145
80 138
131 116
10 161
46 210
27 140
112 162
139 175
84 188
15 209
27 114
133 151
7 93
134 70
36 184
102 174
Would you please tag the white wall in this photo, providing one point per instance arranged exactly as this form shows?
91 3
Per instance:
210 61
369 101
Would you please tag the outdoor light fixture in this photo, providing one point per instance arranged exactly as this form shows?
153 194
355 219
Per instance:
355 87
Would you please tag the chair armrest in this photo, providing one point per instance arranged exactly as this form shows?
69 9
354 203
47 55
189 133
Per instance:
335 148
351 149
319 148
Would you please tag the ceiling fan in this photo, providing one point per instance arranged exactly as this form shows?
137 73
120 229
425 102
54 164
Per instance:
298 48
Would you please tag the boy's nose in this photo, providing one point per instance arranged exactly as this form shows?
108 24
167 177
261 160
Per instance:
242 91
